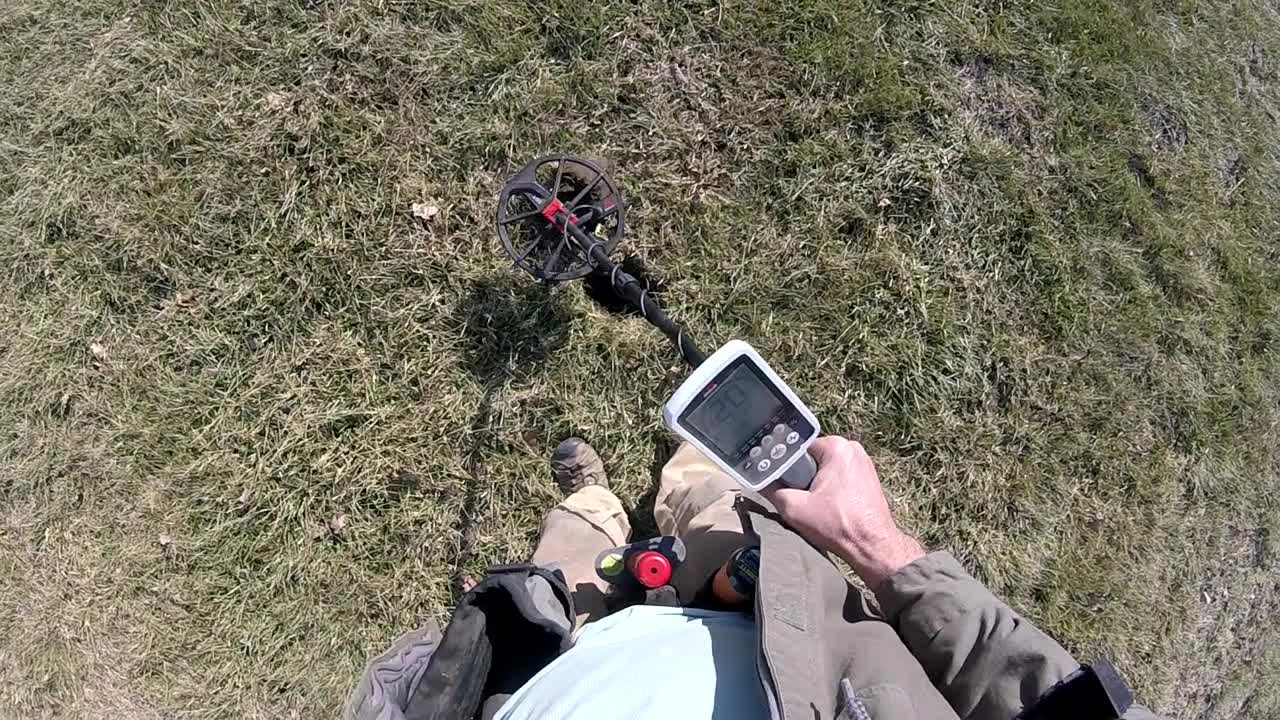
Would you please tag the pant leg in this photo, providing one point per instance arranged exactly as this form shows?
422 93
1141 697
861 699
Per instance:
582 526
695 503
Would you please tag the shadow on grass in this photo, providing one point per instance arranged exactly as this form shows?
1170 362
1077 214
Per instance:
600 289
511 327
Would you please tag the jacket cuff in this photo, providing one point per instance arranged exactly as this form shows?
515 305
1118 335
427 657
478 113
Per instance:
939 575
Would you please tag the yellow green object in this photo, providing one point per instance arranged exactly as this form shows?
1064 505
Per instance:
612 564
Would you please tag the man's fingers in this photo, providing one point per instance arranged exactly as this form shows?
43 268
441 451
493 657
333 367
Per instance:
824 447
783 498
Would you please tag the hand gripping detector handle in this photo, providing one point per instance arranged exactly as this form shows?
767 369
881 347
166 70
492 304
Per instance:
800 474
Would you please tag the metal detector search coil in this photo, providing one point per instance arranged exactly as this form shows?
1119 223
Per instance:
559 219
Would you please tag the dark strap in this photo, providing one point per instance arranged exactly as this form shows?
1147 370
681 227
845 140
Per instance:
1094 692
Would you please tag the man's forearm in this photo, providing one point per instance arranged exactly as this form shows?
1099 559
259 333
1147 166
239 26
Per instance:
989 662
875 559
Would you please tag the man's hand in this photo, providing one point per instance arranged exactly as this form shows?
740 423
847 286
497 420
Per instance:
845 512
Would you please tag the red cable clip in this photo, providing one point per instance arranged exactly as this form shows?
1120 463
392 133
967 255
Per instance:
553 207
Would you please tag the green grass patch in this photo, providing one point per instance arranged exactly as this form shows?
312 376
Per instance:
1026 253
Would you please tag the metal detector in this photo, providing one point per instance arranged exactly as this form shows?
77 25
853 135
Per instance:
560 218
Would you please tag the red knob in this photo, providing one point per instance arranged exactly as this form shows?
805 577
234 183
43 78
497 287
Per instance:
651 568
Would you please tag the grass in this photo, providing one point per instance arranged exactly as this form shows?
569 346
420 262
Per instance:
256 420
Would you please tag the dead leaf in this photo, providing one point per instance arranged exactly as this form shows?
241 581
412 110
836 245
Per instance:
99 350
186 298
884 202
337 524
165 540
425 213
278 101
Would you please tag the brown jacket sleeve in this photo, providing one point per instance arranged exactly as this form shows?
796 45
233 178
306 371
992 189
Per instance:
985 659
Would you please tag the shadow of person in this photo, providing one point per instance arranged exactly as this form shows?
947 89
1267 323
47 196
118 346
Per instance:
510 327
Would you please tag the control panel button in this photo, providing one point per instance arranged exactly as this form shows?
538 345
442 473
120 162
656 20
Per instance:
756 452
779 430
793 437
778 451
764 465
767 441
746 466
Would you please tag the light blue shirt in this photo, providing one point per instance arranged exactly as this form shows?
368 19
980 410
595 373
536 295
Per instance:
650 662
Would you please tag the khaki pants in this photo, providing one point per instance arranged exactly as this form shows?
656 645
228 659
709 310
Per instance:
694 503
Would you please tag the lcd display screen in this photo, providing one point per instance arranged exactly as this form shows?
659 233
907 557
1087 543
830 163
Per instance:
735 411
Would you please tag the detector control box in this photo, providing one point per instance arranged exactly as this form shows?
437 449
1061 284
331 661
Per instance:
740 414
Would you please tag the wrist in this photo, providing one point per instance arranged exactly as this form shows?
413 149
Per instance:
876 557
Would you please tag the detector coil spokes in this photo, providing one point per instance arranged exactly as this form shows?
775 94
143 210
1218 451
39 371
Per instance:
538 205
